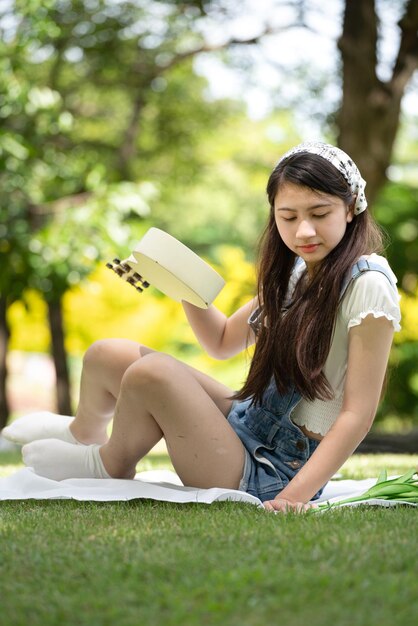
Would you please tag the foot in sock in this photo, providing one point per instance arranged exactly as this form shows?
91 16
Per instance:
42 425
59 460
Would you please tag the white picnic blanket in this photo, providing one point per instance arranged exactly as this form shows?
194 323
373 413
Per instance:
161 485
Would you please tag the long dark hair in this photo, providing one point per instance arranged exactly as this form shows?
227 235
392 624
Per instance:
293 346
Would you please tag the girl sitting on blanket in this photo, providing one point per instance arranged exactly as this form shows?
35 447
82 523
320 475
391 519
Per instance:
322 322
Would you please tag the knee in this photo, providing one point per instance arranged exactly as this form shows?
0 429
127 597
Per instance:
98 352
151 370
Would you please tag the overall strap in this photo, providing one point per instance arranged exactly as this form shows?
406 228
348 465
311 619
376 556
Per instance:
363 265
254 320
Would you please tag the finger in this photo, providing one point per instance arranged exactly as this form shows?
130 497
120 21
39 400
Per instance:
286 506
272 506
268 505
276 506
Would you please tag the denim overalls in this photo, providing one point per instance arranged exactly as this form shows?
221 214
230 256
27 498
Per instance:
276 448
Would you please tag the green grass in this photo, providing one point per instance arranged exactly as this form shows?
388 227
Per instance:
150 563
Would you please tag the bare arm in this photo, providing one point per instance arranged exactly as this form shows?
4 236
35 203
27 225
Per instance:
222 337
368 354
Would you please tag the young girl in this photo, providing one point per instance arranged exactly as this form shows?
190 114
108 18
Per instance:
322 321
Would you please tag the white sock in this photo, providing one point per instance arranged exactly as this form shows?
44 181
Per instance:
41 425
59 460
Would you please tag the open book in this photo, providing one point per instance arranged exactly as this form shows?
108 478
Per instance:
164 262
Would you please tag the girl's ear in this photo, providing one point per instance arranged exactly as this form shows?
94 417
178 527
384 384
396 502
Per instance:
350 211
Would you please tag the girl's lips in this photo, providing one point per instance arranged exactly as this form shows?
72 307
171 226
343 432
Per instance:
310 248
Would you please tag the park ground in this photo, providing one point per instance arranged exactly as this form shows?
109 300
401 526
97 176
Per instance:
143 563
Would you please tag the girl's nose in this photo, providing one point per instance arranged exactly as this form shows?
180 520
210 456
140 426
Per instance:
305 229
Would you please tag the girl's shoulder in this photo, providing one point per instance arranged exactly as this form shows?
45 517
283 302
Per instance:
378 262
372 289
371 269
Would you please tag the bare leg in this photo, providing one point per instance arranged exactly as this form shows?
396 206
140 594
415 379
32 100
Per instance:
159 396
105 363
152 396
104 366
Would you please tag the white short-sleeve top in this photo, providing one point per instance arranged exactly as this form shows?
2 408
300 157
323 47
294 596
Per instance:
369 294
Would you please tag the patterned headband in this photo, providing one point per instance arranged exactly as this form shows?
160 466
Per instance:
342 162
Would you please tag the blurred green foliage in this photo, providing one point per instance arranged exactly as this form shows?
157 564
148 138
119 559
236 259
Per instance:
104 306
105 130
96 100
397 211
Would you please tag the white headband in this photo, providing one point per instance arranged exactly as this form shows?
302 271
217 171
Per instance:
342 162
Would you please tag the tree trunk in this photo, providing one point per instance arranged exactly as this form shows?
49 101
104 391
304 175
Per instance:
368 119
60 357
127 150
4 341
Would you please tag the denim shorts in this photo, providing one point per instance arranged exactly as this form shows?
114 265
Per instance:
275 447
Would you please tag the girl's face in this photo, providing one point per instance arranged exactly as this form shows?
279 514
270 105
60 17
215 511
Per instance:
310 223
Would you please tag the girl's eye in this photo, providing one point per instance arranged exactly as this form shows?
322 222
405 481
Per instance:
321 215
289 219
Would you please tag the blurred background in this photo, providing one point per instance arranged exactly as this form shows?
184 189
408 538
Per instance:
119 115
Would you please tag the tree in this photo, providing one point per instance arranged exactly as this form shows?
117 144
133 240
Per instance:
78 79
368 119
364 116
81 82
